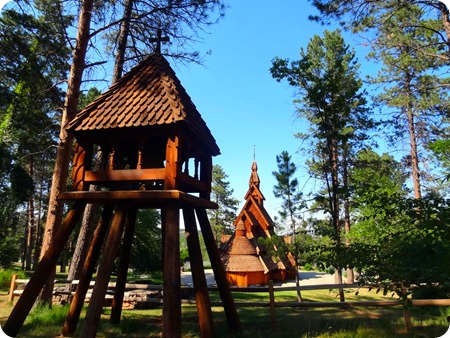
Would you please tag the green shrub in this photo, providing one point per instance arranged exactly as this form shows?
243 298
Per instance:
308 267
6 275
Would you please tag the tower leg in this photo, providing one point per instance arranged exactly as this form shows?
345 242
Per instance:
198 274
121 281
43 270
219 272
86 274
94 310
171 279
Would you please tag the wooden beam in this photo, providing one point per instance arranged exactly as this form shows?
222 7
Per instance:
43 270
146 197
190 184
205 317
94 310
172 158
92 256
171 323
219 271
125 175
121 281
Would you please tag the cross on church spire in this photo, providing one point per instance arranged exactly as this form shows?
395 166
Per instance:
159 38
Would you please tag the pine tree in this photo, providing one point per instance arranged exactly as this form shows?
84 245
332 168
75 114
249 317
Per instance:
222 219
331 99
288 190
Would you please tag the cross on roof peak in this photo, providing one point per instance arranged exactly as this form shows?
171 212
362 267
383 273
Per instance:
159 38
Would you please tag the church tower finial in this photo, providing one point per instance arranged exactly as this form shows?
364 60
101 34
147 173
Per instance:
158 39
254 178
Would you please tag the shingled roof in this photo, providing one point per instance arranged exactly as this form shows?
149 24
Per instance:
241 254
257 223
149 95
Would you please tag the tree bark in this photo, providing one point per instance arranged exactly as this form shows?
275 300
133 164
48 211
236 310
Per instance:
38 242
89 218
31 226
446 24
122 41
347 224
415 171
87 229
60 173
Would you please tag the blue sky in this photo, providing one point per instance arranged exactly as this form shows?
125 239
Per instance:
247 111
244 107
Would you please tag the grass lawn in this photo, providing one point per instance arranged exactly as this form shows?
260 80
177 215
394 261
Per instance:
290 322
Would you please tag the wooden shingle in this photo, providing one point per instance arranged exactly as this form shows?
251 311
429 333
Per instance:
149 95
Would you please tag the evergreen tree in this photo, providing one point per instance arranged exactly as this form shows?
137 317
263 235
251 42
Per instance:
413 90
222 219
375 179
287 189
331 99
412 41
368 16
33 58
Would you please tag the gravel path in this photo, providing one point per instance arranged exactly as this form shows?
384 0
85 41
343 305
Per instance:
306 278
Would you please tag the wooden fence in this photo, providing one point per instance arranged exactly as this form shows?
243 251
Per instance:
272 304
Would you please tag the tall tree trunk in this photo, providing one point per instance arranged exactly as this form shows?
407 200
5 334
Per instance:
30 235
446 23
87 229
122 41
60 173
415 171
31 225
39 232
333 153
347 225
90 214
297 279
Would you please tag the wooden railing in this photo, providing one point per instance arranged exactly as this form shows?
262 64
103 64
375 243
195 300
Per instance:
270 289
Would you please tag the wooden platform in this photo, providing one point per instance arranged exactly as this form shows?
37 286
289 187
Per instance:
144 198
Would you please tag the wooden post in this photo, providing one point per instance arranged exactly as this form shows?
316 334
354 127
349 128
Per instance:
12 287
272 305
198 275
406 313
117 303
43 270
86 274
219 271
94 310
171 280
172 157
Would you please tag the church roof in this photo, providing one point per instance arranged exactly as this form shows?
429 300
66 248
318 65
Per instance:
150 94
252 223
241 254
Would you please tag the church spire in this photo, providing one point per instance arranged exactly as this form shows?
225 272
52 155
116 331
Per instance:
254 178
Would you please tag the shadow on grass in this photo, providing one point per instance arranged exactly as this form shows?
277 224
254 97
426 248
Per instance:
256 322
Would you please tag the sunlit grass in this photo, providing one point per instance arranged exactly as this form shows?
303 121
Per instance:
256 321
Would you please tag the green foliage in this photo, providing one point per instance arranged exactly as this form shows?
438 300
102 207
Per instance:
87 98
308 267
287 189
10 244
33 58
222 218
413 249
6 275
146 252
409 40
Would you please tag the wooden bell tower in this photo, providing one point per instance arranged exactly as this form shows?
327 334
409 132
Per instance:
156 152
